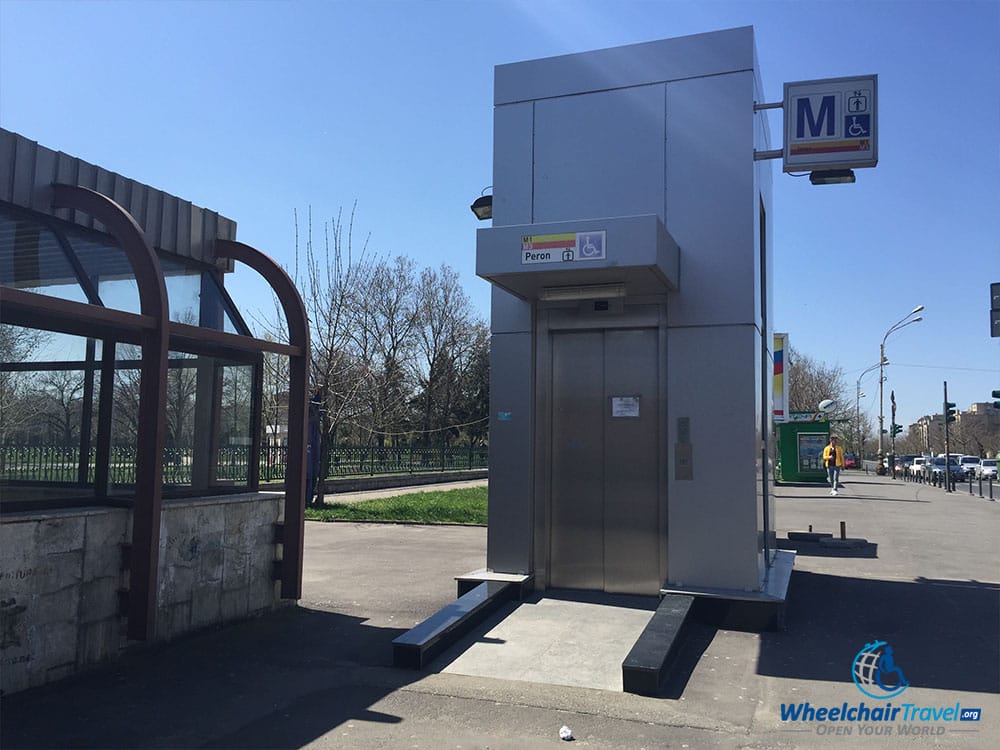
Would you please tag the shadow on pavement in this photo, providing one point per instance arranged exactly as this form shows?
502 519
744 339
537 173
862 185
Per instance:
279 681
943 633
814 549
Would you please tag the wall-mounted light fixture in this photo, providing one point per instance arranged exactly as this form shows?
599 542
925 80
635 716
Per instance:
832 177
589 291
482 206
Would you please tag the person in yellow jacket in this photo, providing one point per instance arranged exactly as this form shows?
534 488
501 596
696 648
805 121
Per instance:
833 460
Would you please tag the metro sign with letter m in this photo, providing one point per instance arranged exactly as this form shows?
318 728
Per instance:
831 124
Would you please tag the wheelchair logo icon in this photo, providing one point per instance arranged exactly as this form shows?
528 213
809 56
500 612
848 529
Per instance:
590 246
857 126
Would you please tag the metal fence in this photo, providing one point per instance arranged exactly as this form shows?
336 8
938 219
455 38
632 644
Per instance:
366 460
60 463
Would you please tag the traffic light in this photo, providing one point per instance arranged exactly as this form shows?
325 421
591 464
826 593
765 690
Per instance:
896 429
949 411
996 395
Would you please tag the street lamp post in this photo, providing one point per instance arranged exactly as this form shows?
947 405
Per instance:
861 446
901 323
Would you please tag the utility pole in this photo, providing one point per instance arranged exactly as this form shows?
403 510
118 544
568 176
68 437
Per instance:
892 437
949 412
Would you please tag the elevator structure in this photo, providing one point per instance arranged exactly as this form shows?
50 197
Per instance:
630 259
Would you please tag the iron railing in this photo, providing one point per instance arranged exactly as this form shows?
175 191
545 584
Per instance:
60 463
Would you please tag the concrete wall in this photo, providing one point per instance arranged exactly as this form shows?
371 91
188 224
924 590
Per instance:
61 573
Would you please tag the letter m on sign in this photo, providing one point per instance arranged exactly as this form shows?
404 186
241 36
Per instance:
804 115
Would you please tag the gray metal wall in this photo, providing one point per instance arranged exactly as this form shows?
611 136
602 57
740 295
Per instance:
664 128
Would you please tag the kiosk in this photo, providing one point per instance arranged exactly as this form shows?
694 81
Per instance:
800 451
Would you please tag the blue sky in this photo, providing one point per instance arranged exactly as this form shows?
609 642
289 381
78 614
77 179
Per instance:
256 109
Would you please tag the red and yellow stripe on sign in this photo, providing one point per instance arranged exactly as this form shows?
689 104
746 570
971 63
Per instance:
548 241
831 147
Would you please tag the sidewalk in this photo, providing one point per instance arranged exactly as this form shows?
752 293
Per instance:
355 497
320 675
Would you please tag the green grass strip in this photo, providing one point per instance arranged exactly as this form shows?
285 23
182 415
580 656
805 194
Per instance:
464 506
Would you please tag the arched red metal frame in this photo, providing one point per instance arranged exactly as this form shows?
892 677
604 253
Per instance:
298 403
154 337
144 555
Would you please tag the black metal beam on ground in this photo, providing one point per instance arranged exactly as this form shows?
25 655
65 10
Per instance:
421 644
647 663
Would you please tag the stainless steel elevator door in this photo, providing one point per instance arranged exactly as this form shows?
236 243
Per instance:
604 473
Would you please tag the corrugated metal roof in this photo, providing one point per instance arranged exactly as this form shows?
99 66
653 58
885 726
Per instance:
172 224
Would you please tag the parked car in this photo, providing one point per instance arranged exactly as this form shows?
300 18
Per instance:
987 469
850 461
937 466
918 464
968 464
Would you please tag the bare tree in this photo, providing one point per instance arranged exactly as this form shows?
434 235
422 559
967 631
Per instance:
17 407
333 289
61 393
811 381
445 338
387 318
474 406
182 393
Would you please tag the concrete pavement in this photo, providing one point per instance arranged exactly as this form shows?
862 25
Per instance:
320 675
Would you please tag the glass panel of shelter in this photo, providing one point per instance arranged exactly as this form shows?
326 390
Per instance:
39 367
208 436
48 408
33 258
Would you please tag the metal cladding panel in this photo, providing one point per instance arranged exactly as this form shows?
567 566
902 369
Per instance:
577 464
632 462
24 173
513 130
763 186
600 154
46 163
67 173
509 314
8 147
639 252
711 201
86 176
692 56
713 521
511 506
27 171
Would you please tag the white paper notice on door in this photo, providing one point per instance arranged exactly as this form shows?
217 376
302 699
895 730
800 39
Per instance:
625 406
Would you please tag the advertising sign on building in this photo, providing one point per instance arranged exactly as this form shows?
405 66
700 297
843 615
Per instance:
831 124
780 382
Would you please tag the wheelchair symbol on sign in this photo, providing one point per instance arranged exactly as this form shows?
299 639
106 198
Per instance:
591 246
857 129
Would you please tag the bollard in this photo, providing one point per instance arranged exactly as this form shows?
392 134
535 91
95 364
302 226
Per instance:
970 484
980 485
843 530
